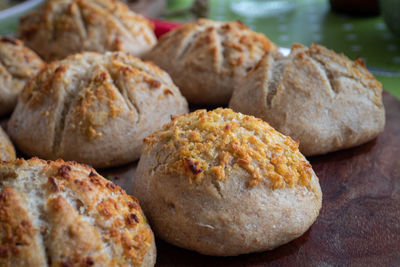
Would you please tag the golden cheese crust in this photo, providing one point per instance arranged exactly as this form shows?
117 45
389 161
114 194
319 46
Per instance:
65 214
94 108
63 27
7 151
322 99
17 65
223 183
207 58
215 142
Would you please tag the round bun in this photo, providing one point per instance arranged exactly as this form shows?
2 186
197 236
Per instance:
206 59
222 183
7 151
94 109
318 97
65 214
17 65
64 27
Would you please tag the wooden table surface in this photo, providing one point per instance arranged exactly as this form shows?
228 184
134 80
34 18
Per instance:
359 224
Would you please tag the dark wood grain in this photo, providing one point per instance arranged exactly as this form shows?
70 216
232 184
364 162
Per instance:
359 224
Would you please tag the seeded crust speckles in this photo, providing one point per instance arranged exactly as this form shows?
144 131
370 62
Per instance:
65 214
215 142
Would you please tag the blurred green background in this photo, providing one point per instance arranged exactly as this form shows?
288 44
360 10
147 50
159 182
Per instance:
312 21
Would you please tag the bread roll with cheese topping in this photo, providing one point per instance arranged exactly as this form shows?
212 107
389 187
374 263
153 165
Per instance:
7 151
65 214
18 64
93 108
223 183
321 99
60 28
206 59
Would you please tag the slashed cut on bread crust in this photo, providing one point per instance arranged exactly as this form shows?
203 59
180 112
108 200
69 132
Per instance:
206 59
65 214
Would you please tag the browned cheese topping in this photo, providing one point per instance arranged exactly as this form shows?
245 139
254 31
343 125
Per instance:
95 88
215 142
73 193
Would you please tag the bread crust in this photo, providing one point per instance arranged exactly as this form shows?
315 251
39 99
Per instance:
206 59
17 65
222 183
7 151
94 109
65 214
64 27
322 99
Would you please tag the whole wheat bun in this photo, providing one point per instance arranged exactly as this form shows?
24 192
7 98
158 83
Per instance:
222 183
206 58
65 214
64 27
318 97
7 151
17 65
95 109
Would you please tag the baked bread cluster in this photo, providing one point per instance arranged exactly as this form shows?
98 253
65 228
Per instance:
7 151
65 214
318 97
63 27
223 183
206 59
17 65
94 109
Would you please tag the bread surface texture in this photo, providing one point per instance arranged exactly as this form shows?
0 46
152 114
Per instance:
63 27
207 58
320 98
95 109
223 183
65 214
7 151
17 65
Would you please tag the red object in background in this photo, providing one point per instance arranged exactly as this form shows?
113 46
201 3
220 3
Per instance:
161 26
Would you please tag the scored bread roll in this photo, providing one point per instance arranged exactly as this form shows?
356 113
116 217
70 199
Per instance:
318 97
206 58
94 109
65 214
17 65
7 151
63 27
222 183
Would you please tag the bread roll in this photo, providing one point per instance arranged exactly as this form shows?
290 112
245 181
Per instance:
7 151
318 97
206 59
65 214
94 109
222 183
63 27
17 65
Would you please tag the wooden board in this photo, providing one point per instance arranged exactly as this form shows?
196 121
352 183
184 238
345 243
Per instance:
359 223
